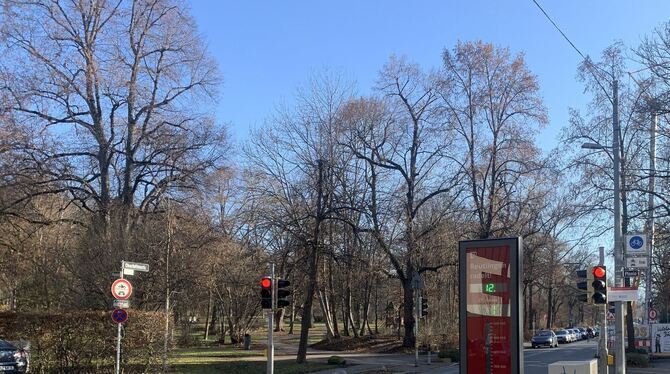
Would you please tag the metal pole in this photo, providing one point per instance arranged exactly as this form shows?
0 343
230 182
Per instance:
271 312
650 218
619 351
417 309
118 332
602 344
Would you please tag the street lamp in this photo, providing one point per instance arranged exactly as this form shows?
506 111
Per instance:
595 146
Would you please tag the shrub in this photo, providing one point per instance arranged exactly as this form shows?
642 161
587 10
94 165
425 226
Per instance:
453 353
336 360
637 360
84 342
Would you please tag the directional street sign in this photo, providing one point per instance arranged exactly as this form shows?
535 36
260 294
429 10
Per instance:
631 273
637 262
122 289
135 266
119 316
121 304
622 294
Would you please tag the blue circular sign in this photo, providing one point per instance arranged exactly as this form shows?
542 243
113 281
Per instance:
119 315
636 242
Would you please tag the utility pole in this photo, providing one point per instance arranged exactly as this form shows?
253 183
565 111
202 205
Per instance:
619 350
650 218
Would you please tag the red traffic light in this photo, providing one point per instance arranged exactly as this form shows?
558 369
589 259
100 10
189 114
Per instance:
598 271
266 283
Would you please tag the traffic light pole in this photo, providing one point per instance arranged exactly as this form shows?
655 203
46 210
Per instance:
271 312
417 300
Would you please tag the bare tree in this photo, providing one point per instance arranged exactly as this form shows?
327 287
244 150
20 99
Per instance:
111 86
405 143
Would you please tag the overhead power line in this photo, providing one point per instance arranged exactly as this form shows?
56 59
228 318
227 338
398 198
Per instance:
588 62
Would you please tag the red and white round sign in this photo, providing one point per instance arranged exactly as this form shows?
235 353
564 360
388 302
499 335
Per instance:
122 289
653 313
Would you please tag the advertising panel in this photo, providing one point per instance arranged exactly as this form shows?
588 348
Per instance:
490 312
660 338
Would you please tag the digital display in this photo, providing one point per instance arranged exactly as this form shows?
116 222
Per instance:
488 310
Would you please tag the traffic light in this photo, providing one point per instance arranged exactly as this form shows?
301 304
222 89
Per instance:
266 293
283 293
424 307
599 284
585 284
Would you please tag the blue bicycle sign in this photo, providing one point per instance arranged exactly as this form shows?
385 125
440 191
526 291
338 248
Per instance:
636 242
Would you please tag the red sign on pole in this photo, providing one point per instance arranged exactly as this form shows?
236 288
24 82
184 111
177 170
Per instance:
490 329
122 289
119 316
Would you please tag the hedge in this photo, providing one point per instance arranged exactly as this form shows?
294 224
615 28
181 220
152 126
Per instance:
85 342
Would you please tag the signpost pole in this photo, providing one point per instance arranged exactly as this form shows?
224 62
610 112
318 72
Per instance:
118 333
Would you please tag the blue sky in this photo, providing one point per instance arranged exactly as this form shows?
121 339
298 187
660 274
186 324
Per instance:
267 48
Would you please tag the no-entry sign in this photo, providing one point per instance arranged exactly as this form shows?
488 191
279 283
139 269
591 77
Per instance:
122 289
491 340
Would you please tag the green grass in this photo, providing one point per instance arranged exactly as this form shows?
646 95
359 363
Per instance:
256 367
206 355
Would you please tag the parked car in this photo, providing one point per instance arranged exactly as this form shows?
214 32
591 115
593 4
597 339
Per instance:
578 334
544 337
573 335
585 335
590 332
563 336
12 359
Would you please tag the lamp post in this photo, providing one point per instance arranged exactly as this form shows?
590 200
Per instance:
619 350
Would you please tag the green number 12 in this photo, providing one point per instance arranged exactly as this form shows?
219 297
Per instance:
490 288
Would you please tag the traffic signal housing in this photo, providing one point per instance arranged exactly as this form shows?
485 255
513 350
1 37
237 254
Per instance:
266 293
283 293
585 284
424 307
599 284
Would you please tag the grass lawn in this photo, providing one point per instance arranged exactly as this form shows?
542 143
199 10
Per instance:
257 367
209 354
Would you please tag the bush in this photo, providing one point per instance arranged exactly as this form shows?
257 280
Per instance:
84 342
452 353
336 360
637 360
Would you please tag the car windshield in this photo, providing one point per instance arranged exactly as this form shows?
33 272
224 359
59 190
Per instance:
561 332
543 333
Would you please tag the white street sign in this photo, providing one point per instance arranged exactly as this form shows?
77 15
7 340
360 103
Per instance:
128 272
636 244
121 304
137 266
637 262
622 294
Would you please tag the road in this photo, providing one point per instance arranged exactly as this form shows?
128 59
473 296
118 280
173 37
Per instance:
536 361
